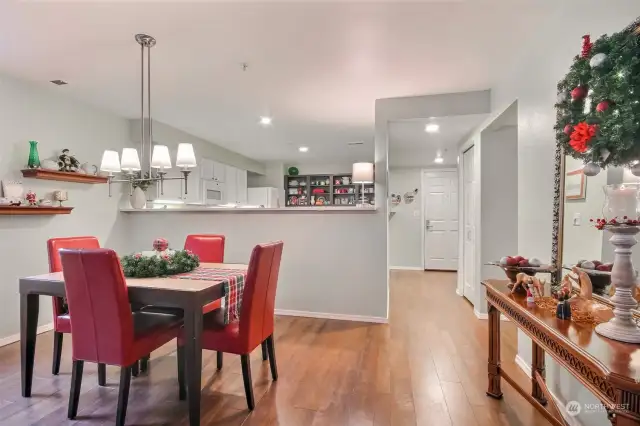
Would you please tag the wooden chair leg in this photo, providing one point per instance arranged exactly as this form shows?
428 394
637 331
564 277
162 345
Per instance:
57 352
102 375
182 390
248 384
135 369
271 347
76 383
123 394
219 360
264 350
144 364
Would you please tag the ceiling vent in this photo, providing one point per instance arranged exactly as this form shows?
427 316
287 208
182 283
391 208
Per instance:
355 143
59 82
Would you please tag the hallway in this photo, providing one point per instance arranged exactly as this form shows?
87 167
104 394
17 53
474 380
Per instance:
427 367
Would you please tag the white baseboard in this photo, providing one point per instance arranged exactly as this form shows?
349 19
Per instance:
342 317
526 368
407 268
16 337
484 316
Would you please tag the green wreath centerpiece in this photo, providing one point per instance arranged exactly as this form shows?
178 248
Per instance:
598 105
159 262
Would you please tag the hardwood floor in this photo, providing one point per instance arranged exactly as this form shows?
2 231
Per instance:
427 367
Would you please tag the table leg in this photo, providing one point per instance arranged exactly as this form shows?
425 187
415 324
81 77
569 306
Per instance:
537 364
193 360
29 306
493 365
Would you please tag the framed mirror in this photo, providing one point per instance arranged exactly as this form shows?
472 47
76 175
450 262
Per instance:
576 242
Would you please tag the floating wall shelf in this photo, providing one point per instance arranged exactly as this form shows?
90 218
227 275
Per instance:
28 210
62 176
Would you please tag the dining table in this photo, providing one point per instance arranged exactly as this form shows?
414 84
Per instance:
190 295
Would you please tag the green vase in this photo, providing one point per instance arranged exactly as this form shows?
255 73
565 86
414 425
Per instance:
34 159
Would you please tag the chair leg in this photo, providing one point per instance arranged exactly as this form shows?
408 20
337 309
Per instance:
123 394
264 350
219 360
102 375
271 347
144 364
57 352
135 369
248 384
76 383
182 390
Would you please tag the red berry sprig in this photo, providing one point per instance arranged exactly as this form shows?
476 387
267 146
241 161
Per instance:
601 223
586 46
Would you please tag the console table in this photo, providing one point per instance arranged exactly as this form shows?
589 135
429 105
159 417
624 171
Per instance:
609 369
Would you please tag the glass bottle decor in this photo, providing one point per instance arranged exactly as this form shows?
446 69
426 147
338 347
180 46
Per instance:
34 158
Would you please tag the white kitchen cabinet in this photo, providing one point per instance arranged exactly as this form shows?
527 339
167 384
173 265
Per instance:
219 171
241 186
235 185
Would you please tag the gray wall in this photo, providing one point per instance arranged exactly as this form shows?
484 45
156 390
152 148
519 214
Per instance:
532 80
28 112
405 227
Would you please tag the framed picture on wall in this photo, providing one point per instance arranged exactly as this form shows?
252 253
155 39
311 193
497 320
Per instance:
575 187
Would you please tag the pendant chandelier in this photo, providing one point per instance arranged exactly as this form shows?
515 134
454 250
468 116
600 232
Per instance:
156 157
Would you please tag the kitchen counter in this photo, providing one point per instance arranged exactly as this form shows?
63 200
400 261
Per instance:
203 209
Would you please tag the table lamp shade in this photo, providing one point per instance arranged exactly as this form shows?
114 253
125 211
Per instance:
110 162
362 173
160 158
130 160
186 157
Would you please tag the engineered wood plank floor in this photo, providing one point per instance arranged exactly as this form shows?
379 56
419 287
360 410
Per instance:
427 367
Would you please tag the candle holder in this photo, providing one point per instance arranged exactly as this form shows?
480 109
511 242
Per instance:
621 203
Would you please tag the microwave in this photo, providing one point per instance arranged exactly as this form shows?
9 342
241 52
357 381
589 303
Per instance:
213 192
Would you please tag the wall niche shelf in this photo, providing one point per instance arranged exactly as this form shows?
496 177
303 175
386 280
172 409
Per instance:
62 176
28 210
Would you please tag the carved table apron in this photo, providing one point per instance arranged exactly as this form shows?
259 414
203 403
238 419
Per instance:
609 369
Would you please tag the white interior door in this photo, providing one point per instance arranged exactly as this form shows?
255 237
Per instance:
441 220
469 211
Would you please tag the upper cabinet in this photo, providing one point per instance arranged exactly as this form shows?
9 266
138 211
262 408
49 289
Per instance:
235 185
212 170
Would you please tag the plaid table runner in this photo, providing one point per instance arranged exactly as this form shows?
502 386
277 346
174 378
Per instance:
233 282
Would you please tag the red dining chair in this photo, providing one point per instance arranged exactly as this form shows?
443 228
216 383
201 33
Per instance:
255 325
104 328
210 249
61 320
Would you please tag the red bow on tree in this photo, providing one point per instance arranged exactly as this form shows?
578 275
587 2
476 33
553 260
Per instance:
586 46
582 135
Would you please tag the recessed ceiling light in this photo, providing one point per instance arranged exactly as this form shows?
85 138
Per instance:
432 128
265 121
59 82
303 149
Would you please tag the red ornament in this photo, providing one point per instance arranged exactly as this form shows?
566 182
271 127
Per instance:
31 198
160 244
582 135
586 46
568 129
603 106
579 93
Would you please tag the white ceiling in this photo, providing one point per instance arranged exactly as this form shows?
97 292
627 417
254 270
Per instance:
411 146
316 68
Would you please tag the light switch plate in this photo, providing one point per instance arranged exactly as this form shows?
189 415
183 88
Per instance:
577 219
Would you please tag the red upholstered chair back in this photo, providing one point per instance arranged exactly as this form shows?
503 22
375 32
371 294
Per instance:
101 321
209 248
53 247
258 299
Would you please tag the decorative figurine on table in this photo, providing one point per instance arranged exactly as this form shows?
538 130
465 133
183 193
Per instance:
67 162
526 282
31 198
580 279
563 310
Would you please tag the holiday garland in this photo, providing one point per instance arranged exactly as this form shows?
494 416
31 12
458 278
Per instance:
158 263
598 106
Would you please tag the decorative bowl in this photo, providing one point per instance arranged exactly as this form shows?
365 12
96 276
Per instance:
512 271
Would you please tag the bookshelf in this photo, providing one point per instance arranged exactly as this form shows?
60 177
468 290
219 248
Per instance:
325 190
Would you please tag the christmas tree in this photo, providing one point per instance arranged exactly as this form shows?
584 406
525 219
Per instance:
598 106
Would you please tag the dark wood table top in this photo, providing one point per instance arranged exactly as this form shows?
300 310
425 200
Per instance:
614 359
